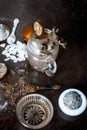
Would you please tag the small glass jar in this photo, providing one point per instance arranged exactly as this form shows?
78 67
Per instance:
42 52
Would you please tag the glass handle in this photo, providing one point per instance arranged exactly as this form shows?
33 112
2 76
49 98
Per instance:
51 67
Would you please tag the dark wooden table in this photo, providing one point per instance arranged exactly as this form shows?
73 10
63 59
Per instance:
70 18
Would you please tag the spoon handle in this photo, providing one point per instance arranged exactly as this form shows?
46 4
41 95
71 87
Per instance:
54 87
16 21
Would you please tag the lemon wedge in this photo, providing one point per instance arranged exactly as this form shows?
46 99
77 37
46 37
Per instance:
3 70
38 28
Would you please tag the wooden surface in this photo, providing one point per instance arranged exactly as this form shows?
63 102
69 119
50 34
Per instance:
70 18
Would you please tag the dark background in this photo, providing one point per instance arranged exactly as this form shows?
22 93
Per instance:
70 17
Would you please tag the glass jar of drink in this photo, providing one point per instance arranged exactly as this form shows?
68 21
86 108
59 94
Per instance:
42 52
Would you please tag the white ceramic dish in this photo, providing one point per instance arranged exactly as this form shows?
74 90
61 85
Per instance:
4 32
34 111
72 102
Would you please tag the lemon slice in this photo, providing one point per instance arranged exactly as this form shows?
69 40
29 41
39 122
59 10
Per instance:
3 70
38 28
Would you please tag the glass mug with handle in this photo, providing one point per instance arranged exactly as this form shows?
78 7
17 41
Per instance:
42 52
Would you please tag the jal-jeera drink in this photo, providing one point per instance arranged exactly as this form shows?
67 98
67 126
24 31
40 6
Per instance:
42 52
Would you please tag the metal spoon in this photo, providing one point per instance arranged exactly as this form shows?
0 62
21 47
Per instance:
34 88
12 37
